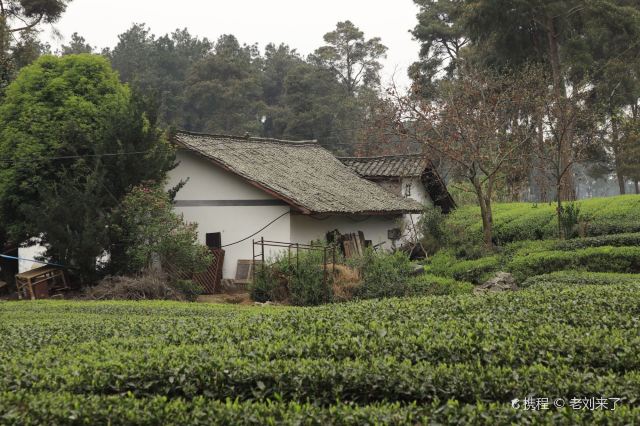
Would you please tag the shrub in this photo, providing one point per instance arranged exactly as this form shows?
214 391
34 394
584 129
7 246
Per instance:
383 274
433 230
582 278
148 228
261 289
190 289
300 282
594 259
431 285
569 217
310 284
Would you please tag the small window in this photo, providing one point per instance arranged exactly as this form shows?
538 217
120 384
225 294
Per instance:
407 190
214 240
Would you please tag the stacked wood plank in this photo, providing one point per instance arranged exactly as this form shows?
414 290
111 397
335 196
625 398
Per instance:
354 244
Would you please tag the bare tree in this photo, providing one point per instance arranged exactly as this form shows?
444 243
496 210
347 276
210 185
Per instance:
480 123
565 117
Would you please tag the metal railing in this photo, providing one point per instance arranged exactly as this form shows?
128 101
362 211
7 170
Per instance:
295 248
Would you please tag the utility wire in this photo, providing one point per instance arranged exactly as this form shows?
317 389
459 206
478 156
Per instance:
256 233
32 260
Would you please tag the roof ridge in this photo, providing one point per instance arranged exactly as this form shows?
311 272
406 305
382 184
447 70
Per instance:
250 138
384 157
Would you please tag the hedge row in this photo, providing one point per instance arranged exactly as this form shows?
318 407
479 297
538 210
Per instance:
69 409
524 221
568 341
594 259
582 278
477 271
433 285
524 248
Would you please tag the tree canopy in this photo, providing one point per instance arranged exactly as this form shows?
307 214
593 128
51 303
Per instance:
72 141
19 21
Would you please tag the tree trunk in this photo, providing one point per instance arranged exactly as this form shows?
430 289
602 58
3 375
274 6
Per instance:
615 140
621 183
637 185
566 189
559 208
485 211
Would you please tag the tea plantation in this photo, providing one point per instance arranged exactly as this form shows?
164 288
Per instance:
526 221
434 360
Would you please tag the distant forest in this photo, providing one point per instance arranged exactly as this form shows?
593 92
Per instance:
576 135
224 86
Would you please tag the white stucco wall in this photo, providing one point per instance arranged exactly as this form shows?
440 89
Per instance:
418 193
208 182
25 253
305 229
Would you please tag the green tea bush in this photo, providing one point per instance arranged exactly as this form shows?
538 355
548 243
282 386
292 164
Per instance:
524 221
594 259
432 285
524 248
615 240
582 278
477 271
442 360
383 274
190 289
69 409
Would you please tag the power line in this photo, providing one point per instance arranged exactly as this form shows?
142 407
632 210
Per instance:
257 232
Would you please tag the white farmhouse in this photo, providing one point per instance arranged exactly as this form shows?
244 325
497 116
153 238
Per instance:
412 176
240 189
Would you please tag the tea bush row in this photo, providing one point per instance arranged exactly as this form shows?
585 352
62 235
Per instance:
555 340
594 259
68 409
582 278
526 221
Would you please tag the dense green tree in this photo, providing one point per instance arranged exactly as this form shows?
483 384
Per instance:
228 87
19 21
278 63
76 46
72 141
579 44
354 60
443 37
223 91
157 67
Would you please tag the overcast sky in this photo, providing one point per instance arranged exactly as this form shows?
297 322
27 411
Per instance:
299 23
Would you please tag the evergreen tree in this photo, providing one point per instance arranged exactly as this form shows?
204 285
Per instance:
72 142
354 60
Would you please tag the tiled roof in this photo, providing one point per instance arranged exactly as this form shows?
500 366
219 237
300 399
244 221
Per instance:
391 166
303 174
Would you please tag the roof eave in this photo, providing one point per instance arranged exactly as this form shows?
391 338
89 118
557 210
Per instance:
370 212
